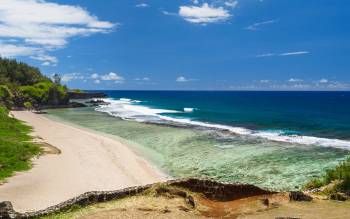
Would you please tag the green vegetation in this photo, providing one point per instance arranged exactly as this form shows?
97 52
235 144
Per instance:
24 86
16 146
339 176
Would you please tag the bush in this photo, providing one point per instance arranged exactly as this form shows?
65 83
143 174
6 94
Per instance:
19 73
22 83
6 96
339 174
28 105
45 93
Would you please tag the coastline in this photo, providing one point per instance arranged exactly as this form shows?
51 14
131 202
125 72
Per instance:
89 162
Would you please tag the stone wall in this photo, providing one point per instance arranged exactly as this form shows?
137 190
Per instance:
211 189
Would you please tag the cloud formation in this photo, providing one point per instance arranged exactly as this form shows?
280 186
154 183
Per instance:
112 77
182 79
231 3
142 5
204 14
294 84
293 80
259 25
72 76
294 53
283 54
39 26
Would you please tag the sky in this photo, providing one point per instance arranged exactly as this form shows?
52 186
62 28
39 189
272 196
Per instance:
182 44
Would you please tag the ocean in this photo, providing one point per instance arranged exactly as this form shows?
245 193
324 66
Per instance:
275 140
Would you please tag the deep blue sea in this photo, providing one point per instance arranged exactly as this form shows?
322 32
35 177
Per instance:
277 140
321 114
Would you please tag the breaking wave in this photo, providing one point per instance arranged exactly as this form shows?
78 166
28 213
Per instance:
129 109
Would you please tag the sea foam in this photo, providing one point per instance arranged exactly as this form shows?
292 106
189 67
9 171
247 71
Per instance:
129 109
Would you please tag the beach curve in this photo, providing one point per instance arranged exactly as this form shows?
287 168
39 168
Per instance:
88 162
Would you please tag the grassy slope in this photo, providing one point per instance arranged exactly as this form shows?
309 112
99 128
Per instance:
340 173
16 148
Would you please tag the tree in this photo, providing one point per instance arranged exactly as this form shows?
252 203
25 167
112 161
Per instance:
56 79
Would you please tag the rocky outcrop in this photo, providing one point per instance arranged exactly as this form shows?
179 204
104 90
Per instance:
220 191
68 105
86 95
96 102
299 196
211 189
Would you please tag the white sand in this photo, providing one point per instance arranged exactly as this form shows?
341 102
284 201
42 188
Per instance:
88 162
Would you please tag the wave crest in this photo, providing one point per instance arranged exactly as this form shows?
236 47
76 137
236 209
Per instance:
129 109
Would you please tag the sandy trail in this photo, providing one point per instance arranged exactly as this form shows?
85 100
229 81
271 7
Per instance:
88 162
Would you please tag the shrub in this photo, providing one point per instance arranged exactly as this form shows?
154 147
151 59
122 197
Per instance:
6 96
339 174
28 105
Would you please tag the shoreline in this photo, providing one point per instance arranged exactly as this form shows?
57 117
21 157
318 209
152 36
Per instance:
89 161
131 145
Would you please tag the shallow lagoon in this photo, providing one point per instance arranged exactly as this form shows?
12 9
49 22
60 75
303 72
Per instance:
184 152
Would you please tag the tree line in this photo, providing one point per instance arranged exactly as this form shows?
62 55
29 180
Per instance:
22 85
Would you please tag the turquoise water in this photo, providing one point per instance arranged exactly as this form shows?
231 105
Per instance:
184 149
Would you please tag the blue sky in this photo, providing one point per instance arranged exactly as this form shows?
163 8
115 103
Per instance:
186 45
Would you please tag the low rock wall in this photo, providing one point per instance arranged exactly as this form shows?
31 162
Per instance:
211 189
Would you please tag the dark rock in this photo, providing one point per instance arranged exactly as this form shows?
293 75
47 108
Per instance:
86 95
219 191
265 201
299 196
338 196
96 101
77 105
190 201
182 208
6 210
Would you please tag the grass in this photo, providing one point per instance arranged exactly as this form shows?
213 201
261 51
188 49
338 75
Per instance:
339 174
151 202
16 146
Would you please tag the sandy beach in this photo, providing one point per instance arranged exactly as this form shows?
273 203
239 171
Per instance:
87 162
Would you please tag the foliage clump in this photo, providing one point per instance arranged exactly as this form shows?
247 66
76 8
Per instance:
16 146
338 176
21 85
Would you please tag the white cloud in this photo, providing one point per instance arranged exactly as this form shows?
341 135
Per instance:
97 81
169 13
293 80
323 81
297 84
195 1
46 64
266 55
72 76
46 59
231 4
283 54
94 76
182 79
142 79
257 26
10 50
204 14
142 5
40 26
294 53
112 77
